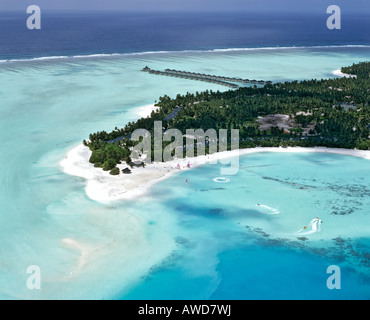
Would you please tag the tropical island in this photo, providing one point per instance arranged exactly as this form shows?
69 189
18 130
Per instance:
331 113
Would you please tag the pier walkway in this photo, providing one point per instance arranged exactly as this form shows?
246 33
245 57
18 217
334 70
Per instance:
223 81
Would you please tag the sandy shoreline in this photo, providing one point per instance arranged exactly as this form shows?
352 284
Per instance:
83 252
103 187
339 73
145 111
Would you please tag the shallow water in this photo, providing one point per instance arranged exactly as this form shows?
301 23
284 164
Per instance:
229 248
175 242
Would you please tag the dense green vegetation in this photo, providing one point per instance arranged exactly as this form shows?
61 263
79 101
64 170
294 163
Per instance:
361 70
114 171
332 112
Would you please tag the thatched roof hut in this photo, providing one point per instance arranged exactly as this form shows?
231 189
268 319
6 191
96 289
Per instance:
126 171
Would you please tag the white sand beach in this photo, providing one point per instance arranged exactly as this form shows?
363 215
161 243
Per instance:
103 187
145 111
339 73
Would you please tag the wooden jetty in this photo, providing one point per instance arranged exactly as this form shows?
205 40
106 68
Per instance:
223 81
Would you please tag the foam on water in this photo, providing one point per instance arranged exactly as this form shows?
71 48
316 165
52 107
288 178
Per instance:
221 180
314 226
144 53
267 209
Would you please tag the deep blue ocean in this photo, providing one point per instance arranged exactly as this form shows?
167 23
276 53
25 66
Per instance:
78 33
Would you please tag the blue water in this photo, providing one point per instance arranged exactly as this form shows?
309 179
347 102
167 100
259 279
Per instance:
254 273
70 34
228 249
201 240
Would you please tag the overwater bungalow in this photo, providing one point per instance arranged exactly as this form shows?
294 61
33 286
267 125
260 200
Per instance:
220 80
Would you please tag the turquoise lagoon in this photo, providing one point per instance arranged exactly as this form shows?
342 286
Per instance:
200 240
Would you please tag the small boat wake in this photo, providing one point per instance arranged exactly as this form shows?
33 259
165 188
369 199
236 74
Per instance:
267 210
221 180
314 226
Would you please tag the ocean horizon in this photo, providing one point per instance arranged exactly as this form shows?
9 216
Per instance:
190 236
122 33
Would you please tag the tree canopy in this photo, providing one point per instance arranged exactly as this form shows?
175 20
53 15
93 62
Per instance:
337 111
